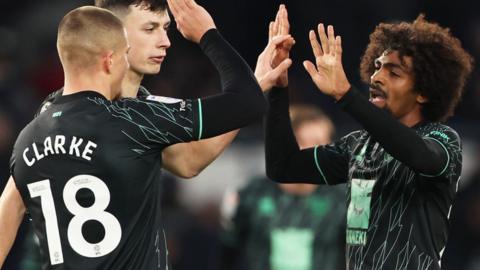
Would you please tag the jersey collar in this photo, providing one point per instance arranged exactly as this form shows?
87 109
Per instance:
79 95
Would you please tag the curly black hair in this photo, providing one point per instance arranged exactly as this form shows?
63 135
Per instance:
441 66
152 5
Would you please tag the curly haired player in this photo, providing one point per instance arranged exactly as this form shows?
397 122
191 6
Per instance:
403 167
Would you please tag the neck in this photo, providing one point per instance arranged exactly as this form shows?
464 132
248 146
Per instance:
298 189
131 83
412 118
87 81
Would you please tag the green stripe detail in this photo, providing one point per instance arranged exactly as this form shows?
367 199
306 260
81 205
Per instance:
318 165
448 159
200 120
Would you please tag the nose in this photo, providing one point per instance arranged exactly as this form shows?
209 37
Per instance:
378 77
163 40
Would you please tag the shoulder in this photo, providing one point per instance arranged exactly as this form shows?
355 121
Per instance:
440 132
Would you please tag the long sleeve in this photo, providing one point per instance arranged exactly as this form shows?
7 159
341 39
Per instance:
286 163
426 155
242 101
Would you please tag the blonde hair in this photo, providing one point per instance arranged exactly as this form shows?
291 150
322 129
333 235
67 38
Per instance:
85 33
304 113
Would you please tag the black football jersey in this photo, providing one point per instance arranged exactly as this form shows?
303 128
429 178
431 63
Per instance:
87 170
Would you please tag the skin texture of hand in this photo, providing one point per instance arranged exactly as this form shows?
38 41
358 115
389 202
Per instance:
266 75
328 74
281 27
193 21
273 62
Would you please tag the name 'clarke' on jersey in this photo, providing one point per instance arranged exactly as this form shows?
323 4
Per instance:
84 171
55 145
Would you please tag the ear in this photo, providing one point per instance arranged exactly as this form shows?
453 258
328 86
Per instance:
107 62
421 99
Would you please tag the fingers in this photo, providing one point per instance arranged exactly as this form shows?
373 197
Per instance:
311 69
272 45
276 24
317 50
331 39
181 4
190 3
283 16
173 7
270 31
288 44
338 48
280 69
323 38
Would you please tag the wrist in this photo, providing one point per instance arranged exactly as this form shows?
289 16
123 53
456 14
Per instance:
342 92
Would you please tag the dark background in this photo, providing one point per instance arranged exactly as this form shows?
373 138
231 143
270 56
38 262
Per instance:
30 69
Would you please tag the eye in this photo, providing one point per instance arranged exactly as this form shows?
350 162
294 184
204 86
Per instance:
394 74
149 30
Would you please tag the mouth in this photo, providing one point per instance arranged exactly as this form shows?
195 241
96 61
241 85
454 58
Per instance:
157 59
377 96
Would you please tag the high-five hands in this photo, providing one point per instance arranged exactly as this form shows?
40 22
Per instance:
193 21
273 62
328 74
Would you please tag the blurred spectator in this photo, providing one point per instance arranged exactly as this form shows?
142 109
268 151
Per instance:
287 226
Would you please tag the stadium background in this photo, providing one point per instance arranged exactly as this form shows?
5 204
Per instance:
30 69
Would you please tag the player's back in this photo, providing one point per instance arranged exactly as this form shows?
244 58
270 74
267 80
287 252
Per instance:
86 170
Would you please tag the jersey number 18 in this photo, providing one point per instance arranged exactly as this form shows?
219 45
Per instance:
80 215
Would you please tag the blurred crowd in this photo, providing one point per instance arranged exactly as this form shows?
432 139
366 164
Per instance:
30 70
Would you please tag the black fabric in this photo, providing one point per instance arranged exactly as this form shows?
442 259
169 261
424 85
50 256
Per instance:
285 162
128 136
120 143
398 213
400 141
242 97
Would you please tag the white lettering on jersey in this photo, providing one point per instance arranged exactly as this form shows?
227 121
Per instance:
88 150
28 162
58 147
47 146
59 142
37 154
75 146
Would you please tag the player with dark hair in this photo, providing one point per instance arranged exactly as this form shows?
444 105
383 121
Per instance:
147 23
403 168
87 167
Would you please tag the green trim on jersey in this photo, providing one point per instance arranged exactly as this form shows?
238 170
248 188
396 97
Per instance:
448 159
318 165
200 120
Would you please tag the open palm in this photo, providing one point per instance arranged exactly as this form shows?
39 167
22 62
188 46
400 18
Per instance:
327 73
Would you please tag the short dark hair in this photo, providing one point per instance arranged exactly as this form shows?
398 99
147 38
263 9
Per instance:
152 5
441 66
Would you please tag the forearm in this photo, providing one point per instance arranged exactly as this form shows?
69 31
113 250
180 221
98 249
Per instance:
12 211
403 143
285 162
242 101
187 160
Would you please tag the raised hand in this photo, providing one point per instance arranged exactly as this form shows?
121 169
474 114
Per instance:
281 27
328 74
266 75
273 62
193 21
